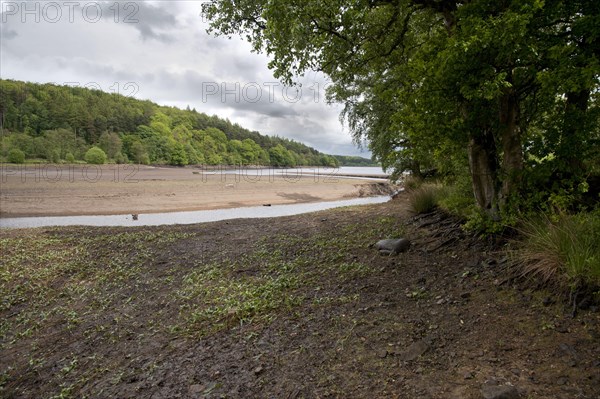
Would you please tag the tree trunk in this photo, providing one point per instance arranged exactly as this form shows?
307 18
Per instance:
512 150
484 176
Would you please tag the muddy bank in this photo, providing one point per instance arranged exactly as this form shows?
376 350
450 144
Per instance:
291 307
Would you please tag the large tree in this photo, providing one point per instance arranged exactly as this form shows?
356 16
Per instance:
428 81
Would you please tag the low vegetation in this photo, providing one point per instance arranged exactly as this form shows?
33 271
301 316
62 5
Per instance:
566 249
95 156
91 283
425 198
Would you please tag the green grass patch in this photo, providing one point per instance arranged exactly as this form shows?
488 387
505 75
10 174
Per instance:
425 198
565 249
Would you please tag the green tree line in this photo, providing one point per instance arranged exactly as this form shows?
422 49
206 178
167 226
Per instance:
352 160
503 93
63 123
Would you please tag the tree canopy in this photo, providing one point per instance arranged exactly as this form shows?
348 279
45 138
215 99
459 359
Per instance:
49 122
504 91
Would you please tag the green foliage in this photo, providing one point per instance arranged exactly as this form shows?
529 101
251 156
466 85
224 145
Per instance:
458 198
95 156
120 158
111 144
53 156
566 249
16 156
345 160
69 158
178 155
281 157
43 119
442 86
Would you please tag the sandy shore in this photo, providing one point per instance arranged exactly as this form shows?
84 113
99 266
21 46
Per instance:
67 190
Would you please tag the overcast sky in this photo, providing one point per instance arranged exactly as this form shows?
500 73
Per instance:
159 50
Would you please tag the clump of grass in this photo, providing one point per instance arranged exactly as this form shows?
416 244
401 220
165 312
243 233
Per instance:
564 250
425 199
411 182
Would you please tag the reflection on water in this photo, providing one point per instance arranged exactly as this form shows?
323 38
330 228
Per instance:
156 219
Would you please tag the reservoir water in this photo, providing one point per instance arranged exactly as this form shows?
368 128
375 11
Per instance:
190 217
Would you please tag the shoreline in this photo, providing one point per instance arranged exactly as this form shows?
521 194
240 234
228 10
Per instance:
151 190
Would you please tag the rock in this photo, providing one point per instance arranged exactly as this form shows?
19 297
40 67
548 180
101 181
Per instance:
258 370
499 392
469 375
392 246
415 350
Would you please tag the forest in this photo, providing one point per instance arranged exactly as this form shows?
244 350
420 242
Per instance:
51 123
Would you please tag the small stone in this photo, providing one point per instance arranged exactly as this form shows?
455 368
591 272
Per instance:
516 372
258 370
382 354
499 392
441 302
562 381
468 375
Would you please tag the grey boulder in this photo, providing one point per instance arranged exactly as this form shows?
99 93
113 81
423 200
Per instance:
392 246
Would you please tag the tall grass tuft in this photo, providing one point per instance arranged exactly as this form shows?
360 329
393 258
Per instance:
564 250
411 182
425 198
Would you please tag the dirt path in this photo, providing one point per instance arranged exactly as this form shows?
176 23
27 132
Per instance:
65 190
293 307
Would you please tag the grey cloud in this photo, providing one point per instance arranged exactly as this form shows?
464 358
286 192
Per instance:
6 33
145 18
197 88
6 19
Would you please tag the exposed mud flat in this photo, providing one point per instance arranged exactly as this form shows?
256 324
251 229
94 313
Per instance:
290 307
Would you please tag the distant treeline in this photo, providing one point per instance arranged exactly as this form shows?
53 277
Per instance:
63 123
345 160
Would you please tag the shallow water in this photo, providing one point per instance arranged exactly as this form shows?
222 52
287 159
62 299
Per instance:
189 217
320 173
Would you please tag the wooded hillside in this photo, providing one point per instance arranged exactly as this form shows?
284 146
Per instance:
56 123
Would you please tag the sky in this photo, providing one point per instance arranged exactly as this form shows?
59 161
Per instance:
160 50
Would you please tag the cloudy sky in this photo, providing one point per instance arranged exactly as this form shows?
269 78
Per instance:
159 50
